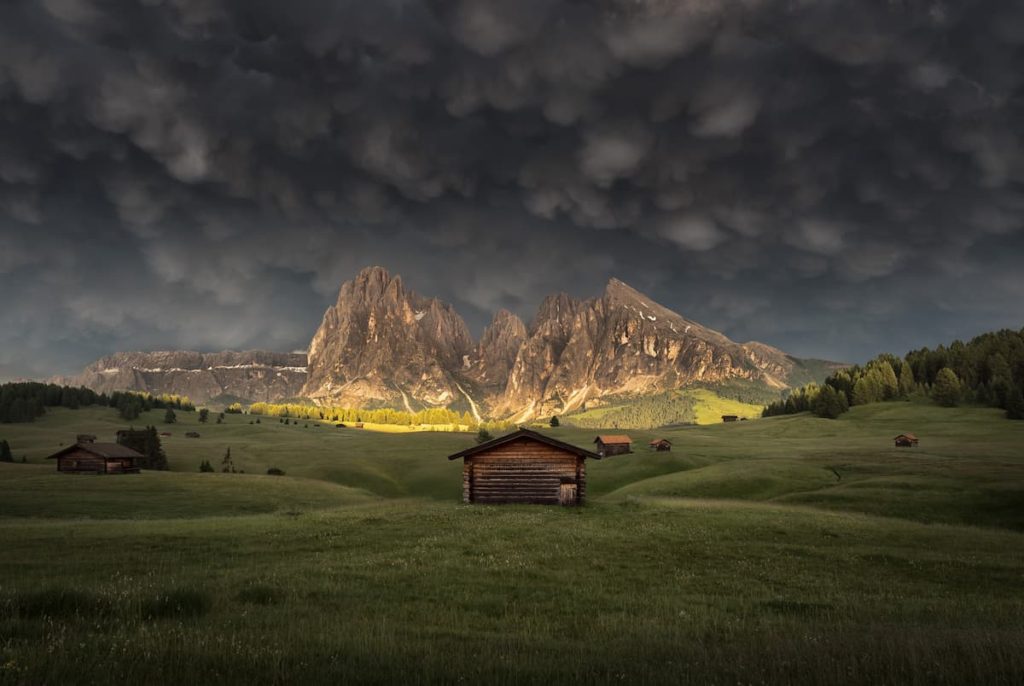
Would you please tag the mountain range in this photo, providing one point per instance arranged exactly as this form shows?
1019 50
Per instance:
382 344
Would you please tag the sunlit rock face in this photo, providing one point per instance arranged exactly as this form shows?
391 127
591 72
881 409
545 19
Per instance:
624 343
383 344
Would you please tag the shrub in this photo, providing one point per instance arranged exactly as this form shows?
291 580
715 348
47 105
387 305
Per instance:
274 471
205 466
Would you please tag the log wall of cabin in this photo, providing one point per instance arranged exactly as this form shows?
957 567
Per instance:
521 472
121 465
81 461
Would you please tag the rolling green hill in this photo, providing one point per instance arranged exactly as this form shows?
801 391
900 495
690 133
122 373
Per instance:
783 550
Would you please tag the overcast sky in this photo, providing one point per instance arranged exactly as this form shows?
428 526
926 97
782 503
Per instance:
834 178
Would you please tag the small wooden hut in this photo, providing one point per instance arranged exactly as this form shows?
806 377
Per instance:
730 418
906 441
613 444
524 467
89 457
661 445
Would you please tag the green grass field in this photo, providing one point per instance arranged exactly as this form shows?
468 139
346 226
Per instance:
786 550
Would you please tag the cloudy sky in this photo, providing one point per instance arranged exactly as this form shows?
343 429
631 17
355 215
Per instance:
835 178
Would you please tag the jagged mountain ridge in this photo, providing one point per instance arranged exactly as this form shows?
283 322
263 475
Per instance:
254 375
382 344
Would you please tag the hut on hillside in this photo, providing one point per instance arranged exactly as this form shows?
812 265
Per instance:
618 444
524 467
906 441
661 445
730 418
89 457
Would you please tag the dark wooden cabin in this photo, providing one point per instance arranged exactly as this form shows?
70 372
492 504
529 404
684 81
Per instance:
662 445
906 441
524 467
88 457
613 445
730 418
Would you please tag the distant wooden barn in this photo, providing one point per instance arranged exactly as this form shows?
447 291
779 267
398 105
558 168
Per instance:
613 445
730 418
524 467
906 441
662 445
89 457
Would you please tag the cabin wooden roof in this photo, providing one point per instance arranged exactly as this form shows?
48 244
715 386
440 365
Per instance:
657 441
910 436
524 433
100 449
614 439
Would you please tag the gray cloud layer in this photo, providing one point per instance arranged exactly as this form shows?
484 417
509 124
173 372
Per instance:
836 178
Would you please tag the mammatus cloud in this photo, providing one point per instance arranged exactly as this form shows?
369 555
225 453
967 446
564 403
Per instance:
204 173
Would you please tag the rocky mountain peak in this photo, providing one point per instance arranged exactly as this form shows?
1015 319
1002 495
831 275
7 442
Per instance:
384 343
555 310
496 352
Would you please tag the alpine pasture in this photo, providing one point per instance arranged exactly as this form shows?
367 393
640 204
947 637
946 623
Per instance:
782 550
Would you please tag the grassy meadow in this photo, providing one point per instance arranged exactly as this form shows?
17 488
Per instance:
785 550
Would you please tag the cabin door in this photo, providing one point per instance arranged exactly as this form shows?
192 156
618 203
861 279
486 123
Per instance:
567 494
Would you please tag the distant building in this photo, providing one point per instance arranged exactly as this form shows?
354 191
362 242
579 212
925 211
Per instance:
906 441
730 418
524 467
662 445
89 457
617 444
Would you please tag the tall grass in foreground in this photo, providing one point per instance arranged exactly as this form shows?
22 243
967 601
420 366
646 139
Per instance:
423 593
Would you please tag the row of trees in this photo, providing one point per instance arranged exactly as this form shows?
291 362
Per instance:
385 415
988 370
26 401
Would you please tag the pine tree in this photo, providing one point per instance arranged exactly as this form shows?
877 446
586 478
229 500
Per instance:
204 414
554 422
226 464
5 452
483 435
887 380
829 403
170 417
906 382
946 389
1015 404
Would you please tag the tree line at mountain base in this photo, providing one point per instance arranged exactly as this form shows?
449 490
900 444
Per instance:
433 416
987 370
26 401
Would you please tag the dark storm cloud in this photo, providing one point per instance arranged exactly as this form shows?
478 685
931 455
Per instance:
836 178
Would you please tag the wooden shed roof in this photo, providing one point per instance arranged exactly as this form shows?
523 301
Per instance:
524 433
100 449
657 441
614 439
910 436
